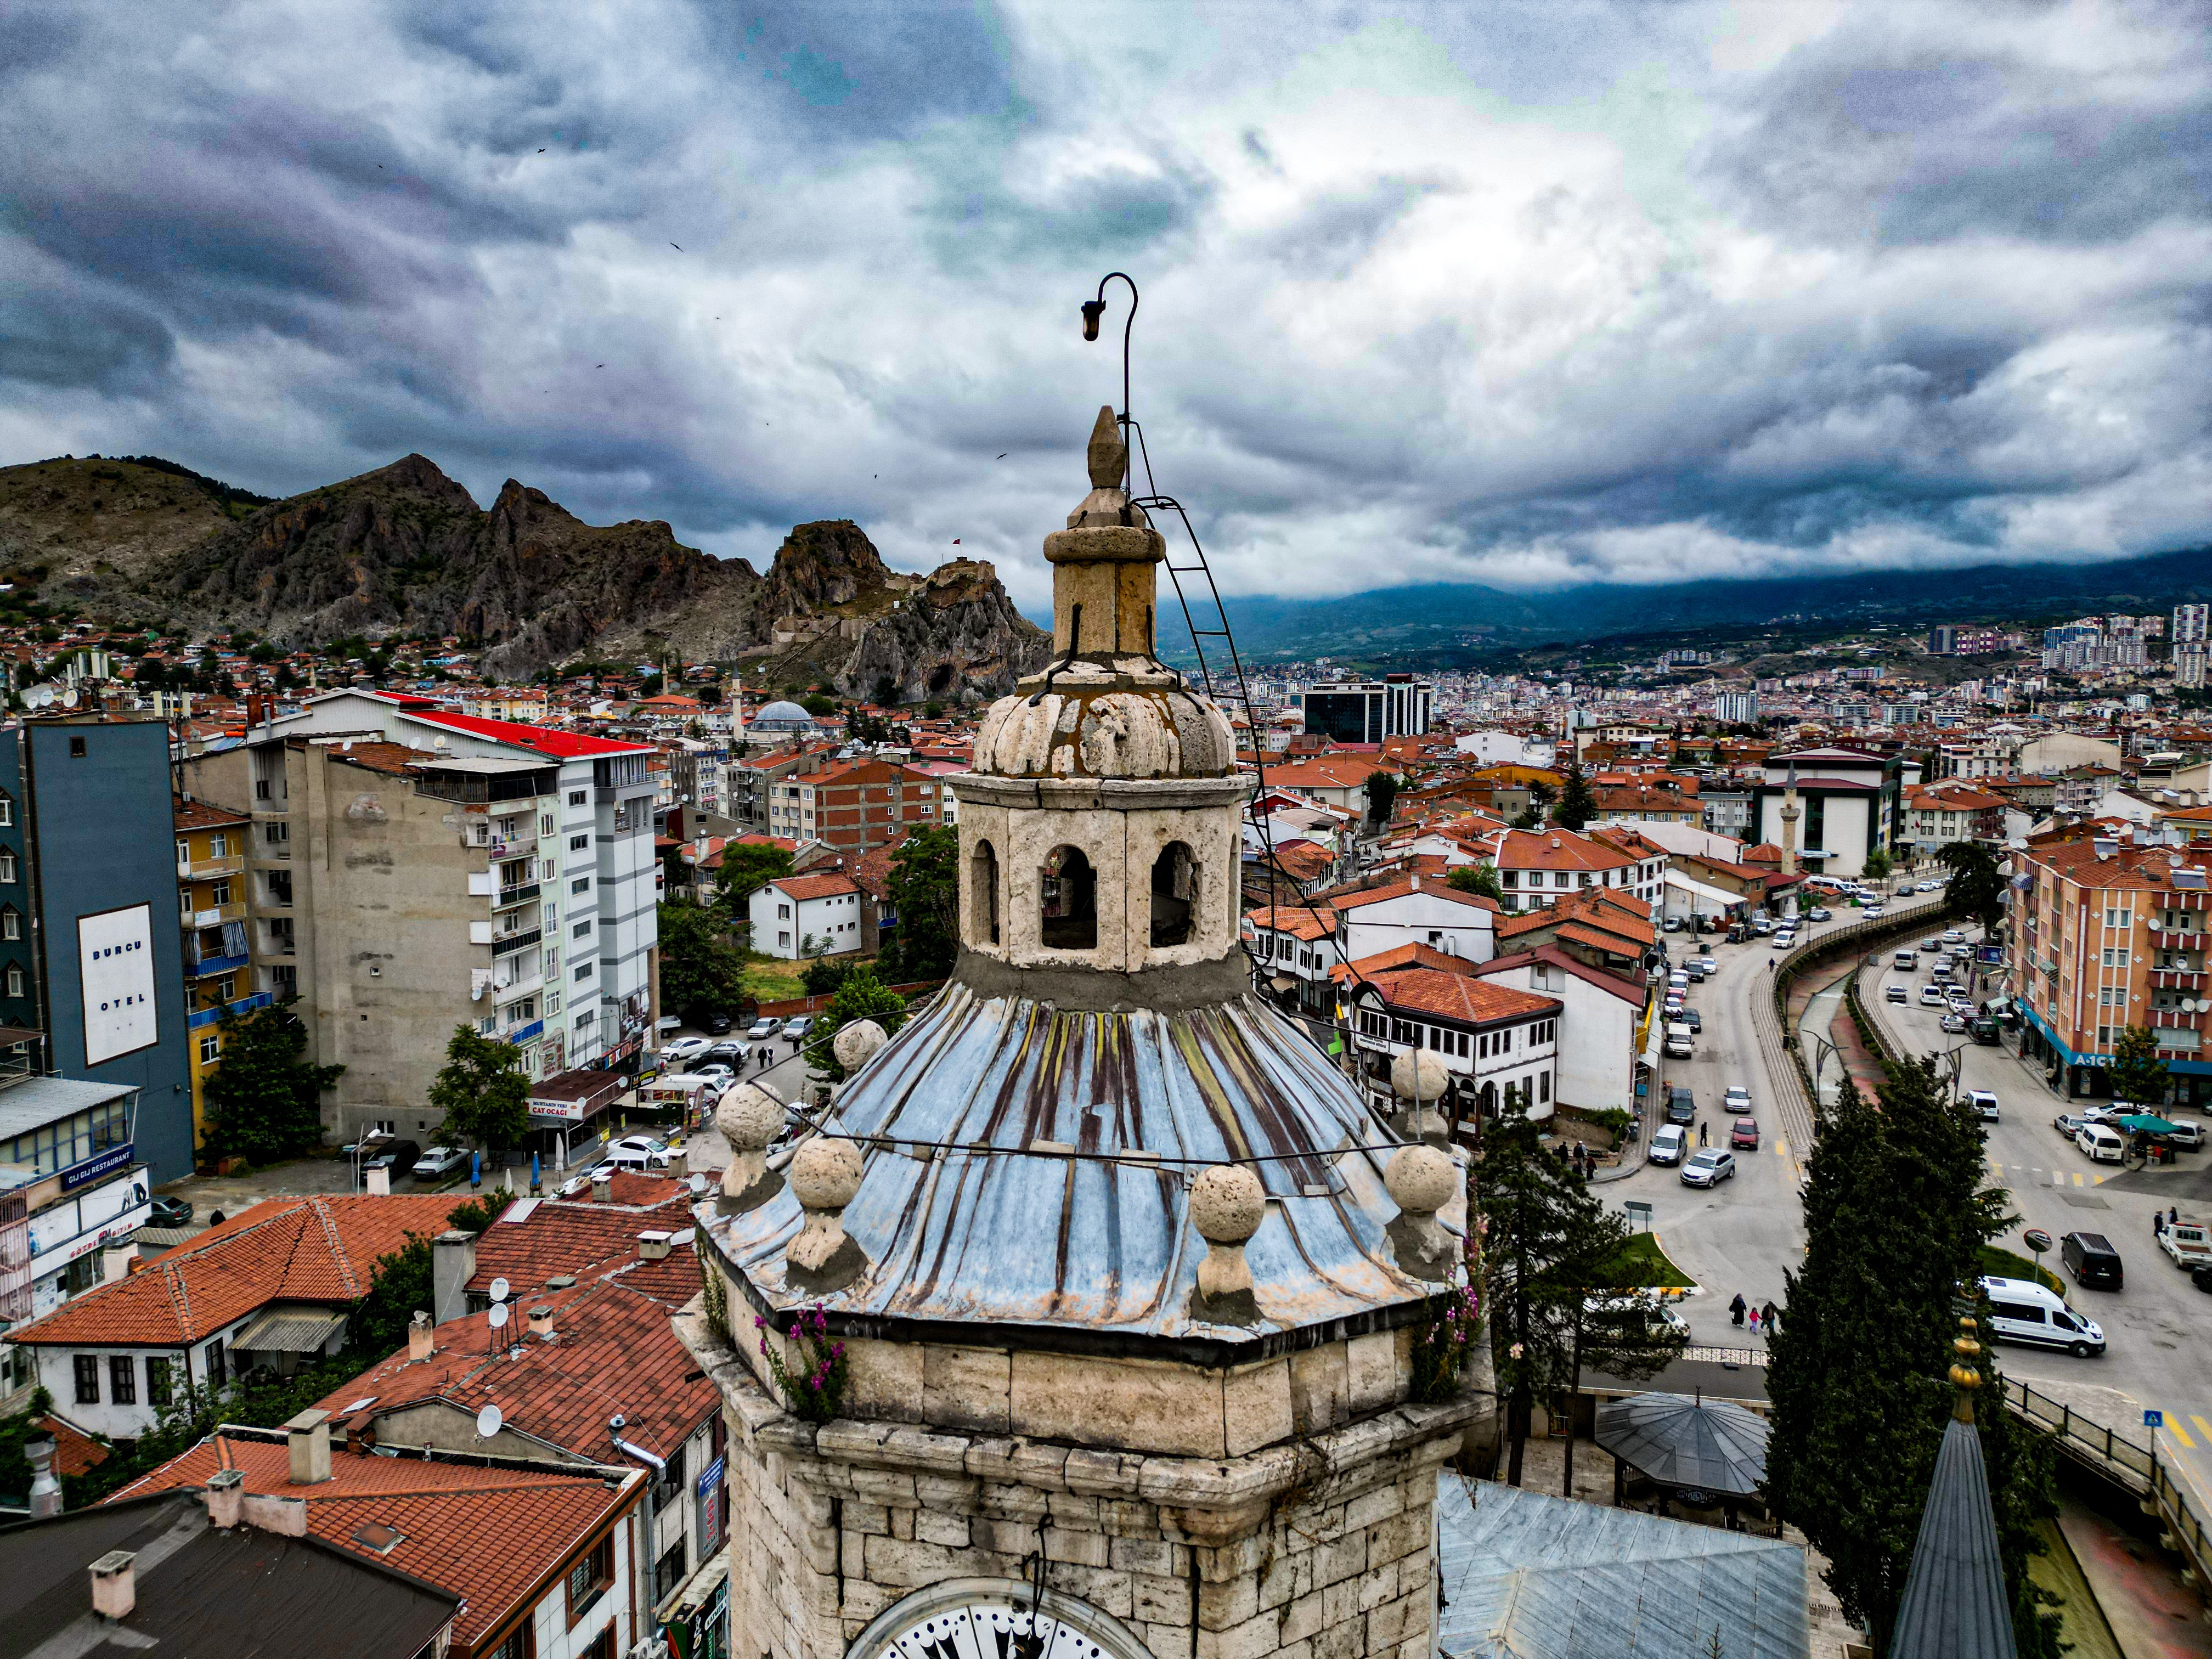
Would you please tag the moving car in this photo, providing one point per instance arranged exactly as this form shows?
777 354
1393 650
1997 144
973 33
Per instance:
1908 959
1819 912
1694 1020
2092 1260
1696 973
1668 1145
1738 933
2187 1242
1984 1104
1681 1041
1931 944
1744 1135
1708 1169
437 1162
717 1070
170 1212
1681 1104
1953 936
1872 911
1735 1099
733 1053
1926 886
1760 925
1932 996
2021 1311
1983 1028
761 1029
1707 963
1783 939
1894 994
1953 1022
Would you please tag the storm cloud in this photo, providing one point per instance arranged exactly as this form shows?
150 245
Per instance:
1521 295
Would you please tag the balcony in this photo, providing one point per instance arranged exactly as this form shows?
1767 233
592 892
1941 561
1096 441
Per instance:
216 914
2177 979
518 987
205 869
505 944
200 1017
2174 1019
512 896
208 965
519 1035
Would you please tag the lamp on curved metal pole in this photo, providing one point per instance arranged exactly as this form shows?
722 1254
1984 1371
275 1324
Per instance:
1094 309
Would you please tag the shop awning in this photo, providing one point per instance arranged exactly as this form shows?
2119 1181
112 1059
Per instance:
1718 896
2146 1123
290 1330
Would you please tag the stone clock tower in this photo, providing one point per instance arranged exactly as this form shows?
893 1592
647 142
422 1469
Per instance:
1129 1279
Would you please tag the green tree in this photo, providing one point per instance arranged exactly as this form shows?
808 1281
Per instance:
821 977
399 1285
1549 1248
818 705
481 1091
473 1215
746 867
862 996
1531 819
263 1101
1977 887
1878 865
1895 1219
701 971
2138 1075
1382 792
923 888
1577 805
885 692
1477 878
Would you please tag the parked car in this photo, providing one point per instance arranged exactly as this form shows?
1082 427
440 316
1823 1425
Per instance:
397 1156
1744 1135
2090 1259
1633 1309
798 1026
1984 1103
2188 1135
439 1162
170 1212
669 1024
1983 1028
2021 1311
717 1070
715 1025
1761 926
683 1048
2103 1145
2187 1241
1707 963
1696 974
1738 933
1679 980
1681 1104
2066 1123
1681 1041
733 1053
580 1184
1668 1145
1708 1169
638 1152
1819 912
1672 924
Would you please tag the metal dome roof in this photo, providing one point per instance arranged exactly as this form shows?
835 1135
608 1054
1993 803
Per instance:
781 714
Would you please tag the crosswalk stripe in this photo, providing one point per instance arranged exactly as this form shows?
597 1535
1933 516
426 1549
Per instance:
2203 1427
2077 1178
2173 1427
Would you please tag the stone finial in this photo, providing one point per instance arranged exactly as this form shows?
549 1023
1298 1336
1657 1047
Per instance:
857 1041
1421 1181
825 1174
1419 1076
1109 451
1227 1205
749 1117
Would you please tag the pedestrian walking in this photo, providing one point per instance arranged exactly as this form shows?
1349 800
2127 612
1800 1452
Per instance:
1768 1317
2157 1225
1754 1322
1701 1133
1737 1309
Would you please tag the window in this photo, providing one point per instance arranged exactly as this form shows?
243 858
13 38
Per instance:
579 843
7 865
219 893
276 833
77 748
1510 878
1069 921
545 825
184 853
211 1050
217 1372
122 1379
157 1381
576 798
517 1644
11 923
668 1571
580 885
783 913
581 930
589 1579
88 1379
1175 895
583 971
1543 1086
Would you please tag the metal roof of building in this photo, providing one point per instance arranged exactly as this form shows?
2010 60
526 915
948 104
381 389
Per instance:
289 1330
1076 1218
1955 1605
1525 1576
36 1102
1681 1440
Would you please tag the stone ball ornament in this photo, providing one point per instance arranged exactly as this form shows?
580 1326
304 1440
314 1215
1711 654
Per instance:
1227 1204
1421 1180
749 1117
1420 1075
825 1173
857 1042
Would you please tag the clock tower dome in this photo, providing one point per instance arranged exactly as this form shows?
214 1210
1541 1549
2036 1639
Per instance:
1099 1317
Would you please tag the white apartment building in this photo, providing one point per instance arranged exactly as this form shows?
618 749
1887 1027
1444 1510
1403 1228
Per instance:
590 849
804 916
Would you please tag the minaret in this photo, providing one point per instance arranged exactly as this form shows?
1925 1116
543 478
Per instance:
1789 814
1118 1281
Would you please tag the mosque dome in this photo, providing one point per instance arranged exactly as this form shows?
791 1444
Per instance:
780 716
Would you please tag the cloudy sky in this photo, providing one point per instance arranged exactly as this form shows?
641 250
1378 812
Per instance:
1520 295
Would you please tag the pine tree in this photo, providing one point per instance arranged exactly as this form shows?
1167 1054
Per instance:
1577 805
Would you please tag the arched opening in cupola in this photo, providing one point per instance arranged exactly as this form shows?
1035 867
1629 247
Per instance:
1070 910
1175 895
983 895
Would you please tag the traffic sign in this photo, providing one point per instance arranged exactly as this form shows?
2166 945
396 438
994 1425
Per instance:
2154 1418
2036 1239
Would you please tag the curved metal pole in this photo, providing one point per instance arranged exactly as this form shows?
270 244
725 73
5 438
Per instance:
1092 310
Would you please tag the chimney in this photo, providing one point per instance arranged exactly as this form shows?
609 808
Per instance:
46 1490
603 1186
378 1184
680 1165
226 1497
309 1444
652 1246
452 1264
541 1321
114 1586
418 1336
117 1260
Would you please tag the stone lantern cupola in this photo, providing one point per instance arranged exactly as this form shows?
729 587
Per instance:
1127 1275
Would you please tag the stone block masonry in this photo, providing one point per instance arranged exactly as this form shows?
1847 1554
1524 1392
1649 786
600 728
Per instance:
1316 1548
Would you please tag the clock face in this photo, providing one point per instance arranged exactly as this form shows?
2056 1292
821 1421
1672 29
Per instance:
995 1619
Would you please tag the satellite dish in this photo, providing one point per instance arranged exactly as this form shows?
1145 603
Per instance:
498 1290
490 1421
499 1313
698 1184
40 697
69 699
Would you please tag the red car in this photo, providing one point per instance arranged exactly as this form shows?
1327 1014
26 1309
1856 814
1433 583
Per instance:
1745 1133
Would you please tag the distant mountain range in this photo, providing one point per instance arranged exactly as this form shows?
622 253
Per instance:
1445 625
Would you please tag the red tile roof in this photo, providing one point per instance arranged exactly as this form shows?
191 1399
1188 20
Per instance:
579 1240
198 815
814 887
1297 920
1460 997
1352 898
320 1249
1398 958
1557 850
491 1535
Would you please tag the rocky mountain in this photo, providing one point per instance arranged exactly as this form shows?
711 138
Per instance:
406 550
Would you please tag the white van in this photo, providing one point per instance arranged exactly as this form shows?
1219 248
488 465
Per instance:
2021 1311
1681 1039
2103 1145
1906 959
1667 1146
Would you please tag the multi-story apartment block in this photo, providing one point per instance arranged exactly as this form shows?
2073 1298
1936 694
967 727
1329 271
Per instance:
220 970
1725 811
750 784
1849 802
853 805
2110 934
1985 754
1937 814
1736 708
2191 645
1369 711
